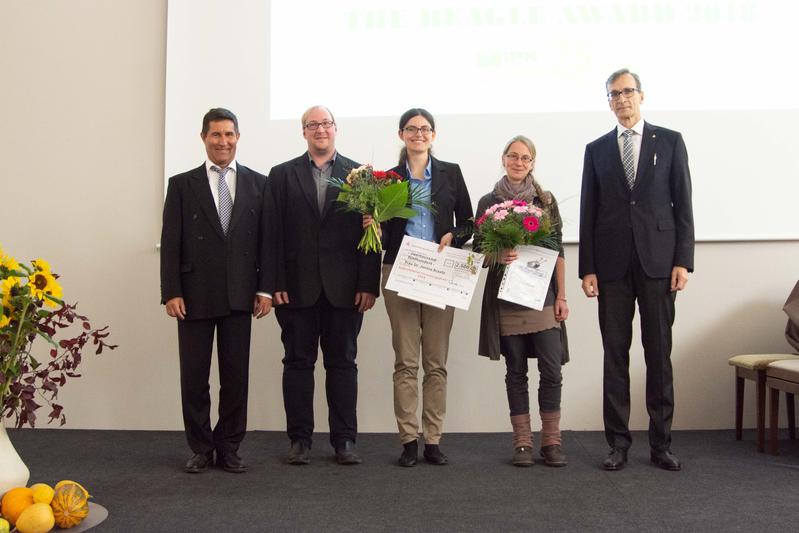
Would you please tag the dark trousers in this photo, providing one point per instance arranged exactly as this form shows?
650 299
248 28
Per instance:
304 330
195 342
546 345
616 313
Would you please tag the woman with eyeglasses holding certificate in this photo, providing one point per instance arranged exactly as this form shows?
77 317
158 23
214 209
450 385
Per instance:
418 329
519 332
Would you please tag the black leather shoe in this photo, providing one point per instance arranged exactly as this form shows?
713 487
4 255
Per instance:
199 462
346 454
410 452
553 455
433 455
615 460
230 462
665 460
299 453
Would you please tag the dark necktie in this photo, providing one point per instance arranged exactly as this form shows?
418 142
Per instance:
627 157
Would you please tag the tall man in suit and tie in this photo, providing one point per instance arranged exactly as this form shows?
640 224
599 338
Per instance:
323 287
216 269
636 243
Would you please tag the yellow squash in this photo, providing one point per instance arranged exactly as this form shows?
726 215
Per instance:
70 505
37 518
68 482
42 493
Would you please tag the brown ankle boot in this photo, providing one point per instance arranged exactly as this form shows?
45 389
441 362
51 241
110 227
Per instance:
553 455
523 456
522 440
550 439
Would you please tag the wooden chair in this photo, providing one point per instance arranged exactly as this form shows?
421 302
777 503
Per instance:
753 367
781 376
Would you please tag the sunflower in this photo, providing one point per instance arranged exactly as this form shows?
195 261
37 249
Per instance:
41 265
5 289
7 263
5 302
43 286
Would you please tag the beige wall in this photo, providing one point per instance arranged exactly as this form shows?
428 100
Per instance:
83 88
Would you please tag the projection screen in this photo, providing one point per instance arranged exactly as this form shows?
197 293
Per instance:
718 71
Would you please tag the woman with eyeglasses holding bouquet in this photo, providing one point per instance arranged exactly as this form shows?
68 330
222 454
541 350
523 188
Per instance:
420 330
519 332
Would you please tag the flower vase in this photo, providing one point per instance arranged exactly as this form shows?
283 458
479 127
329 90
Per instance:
13 472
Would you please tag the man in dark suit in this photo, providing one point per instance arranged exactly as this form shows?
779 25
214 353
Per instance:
216 269
323 287
636 243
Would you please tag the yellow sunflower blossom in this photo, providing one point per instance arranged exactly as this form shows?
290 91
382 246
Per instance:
5 302
44 287
5 290
8 262
8 283
41 265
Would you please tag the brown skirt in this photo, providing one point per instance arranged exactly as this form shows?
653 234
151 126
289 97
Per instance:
518 320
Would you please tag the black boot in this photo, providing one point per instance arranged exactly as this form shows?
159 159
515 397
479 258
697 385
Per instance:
433 455
410 451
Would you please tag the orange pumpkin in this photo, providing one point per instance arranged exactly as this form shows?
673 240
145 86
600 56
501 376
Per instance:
70 505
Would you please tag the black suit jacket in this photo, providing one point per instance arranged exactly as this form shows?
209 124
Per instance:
215 274
317 252
453 209
655 217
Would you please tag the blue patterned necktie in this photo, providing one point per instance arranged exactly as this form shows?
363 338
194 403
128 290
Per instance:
627 157
225 200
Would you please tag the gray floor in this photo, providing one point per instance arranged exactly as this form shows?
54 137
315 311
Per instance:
724 486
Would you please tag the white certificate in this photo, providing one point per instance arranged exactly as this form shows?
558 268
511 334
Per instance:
422 274
526 280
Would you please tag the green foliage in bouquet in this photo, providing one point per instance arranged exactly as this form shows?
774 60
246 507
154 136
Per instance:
381 195
512 223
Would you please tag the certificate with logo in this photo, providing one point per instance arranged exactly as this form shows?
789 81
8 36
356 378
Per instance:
423 274
526 280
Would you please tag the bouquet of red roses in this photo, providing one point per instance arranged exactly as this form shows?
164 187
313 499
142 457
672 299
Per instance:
381 195
512 223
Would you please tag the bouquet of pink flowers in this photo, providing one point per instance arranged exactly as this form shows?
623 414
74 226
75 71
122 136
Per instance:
511 223
381 195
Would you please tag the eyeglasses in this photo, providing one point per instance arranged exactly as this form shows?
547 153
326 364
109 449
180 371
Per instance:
413 130
326 124
526 159
627 92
